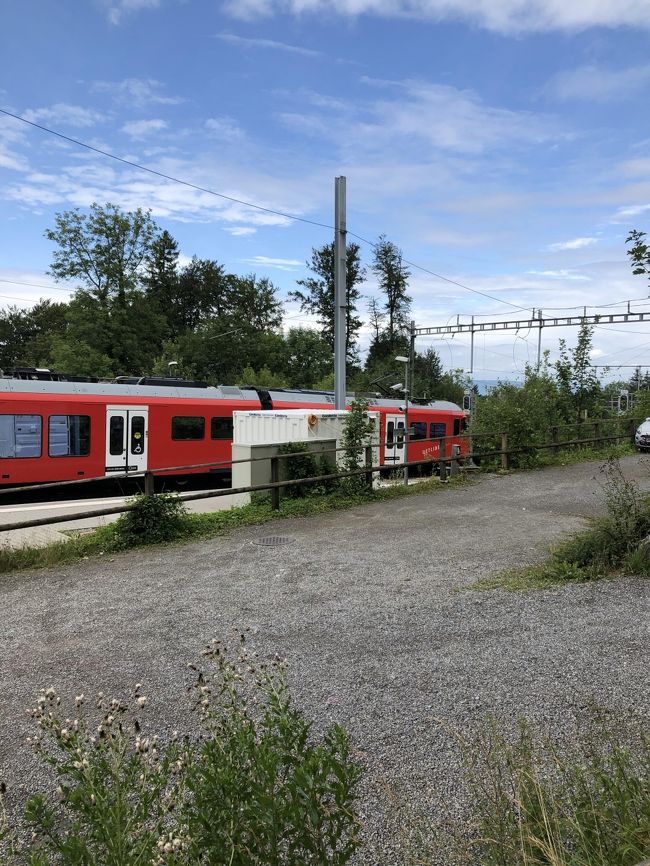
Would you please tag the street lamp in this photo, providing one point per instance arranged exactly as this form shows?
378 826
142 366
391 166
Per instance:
404 360
170 367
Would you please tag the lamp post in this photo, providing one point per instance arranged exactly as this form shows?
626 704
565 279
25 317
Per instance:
404 360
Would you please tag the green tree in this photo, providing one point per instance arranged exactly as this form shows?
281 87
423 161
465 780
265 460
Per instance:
201 294
426 374
309 357
262 378
105 249
393 280
254 300
27 336
110 313
578 382
639 252
161 272
318 297
526 413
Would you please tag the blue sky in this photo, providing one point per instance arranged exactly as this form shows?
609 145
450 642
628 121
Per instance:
504 144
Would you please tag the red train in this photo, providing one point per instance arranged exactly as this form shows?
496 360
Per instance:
65 430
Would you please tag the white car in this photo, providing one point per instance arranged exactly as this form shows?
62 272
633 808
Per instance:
642 436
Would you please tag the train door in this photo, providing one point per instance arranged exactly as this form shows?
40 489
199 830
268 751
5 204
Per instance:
394 443
127 432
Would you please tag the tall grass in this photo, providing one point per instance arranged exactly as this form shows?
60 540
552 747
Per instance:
539 804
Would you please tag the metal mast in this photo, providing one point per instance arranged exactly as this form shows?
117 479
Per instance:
340 292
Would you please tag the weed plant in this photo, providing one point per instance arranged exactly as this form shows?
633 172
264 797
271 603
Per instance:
256 789
537 804
152 520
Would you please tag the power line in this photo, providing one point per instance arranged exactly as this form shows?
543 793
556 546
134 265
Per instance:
37 286
251 205
446 279
239 201
162 174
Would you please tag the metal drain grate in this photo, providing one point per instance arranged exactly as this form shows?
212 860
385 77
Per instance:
274 540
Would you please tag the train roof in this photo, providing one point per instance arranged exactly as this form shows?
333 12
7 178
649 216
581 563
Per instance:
167 388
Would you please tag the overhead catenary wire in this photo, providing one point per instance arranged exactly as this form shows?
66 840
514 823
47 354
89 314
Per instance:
264 209
163 175
445 279
252 205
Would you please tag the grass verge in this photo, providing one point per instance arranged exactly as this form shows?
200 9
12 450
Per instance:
110 539
618 543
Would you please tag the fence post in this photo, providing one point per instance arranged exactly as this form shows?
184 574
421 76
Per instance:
442 453
597 433
275 476
148 484
555 439
505 463
369 463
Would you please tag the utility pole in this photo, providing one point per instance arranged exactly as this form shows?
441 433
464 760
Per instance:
340 292
412 357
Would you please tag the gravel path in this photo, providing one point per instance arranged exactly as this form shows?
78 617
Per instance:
365 605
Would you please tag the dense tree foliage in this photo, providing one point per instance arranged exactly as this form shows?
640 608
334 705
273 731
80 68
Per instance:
318 295
135 309
392 277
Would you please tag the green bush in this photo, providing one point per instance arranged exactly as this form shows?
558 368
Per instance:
256 789
152 520
305 463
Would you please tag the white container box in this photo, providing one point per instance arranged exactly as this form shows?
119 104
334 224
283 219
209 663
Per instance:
291 425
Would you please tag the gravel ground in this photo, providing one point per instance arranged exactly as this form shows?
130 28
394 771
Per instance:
366 606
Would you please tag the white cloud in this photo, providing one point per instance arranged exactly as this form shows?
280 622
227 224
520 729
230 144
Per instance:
420 117
61 112
241 231
117 11
562 274
502 16
594 83
575 244
624 214
224 128
271 44
279 264
135 92
143 128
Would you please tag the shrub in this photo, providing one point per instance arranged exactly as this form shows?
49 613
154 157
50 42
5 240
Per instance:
254 789
357 432
153 520
305 463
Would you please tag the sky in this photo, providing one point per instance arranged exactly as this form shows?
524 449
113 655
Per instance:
502 144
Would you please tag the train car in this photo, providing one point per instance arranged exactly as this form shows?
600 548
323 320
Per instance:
64 430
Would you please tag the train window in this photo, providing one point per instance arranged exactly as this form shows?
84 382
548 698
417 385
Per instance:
221 428
69 436
20 435
188 427
399 435
137 434
116 435
418 430
437 431
456 426
390 430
